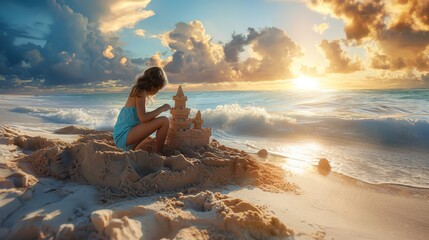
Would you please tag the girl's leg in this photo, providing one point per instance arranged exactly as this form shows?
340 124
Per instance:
143 130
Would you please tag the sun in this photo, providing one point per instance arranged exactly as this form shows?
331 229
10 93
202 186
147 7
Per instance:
305 83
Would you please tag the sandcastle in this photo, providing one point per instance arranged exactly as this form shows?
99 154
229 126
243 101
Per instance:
180 133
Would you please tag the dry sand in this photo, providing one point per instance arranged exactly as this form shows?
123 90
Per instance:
112 175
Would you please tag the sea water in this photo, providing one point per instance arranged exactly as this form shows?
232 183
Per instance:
377 136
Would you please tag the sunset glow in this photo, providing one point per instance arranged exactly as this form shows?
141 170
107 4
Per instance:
116 40
305 83
232 119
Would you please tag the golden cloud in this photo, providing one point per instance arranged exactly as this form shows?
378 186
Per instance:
124 14
197 59
399 29
321 28
339 62
108 52
140 32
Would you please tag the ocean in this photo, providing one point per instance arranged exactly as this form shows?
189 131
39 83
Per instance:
376 136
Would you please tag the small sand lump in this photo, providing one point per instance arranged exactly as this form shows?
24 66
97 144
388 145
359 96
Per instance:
263 153
324 165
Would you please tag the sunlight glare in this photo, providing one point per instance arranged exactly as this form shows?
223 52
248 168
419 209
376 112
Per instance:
305 83
301 156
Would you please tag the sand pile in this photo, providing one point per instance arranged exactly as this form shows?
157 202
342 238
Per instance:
205 215
93 159
96 160
11 136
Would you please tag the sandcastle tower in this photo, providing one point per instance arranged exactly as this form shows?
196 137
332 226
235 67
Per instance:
180 133
198 121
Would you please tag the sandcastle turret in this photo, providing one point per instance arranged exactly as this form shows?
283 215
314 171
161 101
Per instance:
198 121
180 133
180 113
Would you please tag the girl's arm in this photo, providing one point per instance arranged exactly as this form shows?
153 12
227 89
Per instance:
147 116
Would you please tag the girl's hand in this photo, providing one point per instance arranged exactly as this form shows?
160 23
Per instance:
165 107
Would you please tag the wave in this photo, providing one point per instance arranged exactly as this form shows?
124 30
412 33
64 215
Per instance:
237 120
256 121
247 120
96 119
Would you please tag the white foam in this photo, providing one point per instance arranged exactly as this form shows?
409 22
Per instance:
256 121
97 119
233 118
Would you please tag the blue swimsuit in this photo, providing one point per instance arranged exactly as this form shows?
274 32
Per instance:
127 119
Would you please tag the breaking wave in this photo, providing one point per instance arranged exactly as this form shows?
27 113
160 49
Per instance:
256 121
97 119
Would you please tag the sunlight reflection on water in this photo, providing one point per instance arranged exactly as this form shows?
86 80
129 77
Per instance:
299 157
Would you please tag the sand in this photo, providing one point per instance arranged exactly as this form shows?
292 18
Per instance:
94 159
335 206
204 215
55 188
115 175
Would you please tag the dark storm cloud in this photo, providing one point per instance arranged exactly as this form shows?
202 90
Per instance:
73 53
28 3
15 32
233 48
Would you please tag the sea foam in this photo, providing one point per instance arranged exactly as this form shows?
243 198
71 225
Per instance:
97 119
256 121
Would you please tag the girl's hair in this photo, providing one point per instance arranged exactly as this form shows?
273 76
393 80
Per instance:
150 82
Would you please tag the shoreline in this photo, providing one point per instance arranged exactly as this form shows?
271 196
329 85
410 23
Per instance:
373 162
392 188
51 127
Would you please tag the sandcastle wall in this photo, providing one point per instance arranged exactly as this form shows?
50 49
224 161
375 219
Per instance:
188 138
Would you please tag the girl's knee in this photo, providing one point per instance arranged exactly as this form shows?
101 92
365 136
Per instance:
165 121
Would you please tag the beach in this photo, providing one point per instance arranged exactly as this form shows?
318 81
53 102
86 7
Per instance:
37 203
66 180
279 119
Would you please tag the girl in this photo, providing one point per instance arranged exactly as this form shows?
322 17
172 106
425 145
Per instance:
134 124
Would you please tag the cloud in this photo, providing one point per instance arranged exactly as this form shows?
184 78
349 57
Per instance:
140 32
78 52
75 53
361 18
321 28
425 78
197 59
125 14
108 15
400 29
339 62
112 15
108 52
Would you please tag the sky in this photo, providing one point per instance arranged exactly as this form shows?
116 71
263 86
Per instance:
101 45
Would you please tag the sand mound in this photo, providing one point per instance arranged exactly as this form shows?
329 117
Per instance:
139 172
205 215
95 160
11 136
